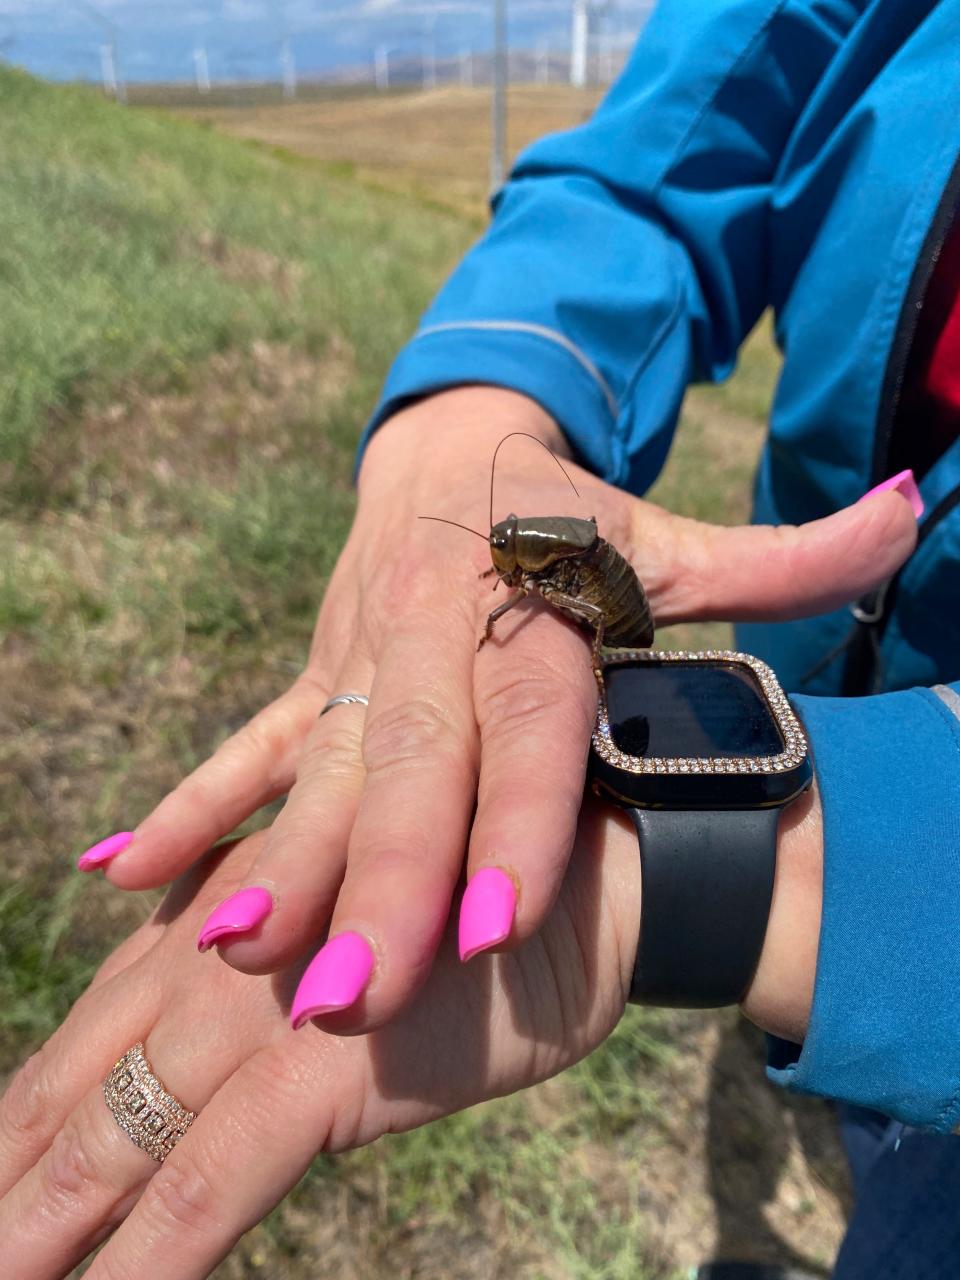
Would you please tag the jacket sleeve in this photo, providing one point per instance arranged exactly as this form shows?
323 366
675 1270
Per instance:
629 256
885 1025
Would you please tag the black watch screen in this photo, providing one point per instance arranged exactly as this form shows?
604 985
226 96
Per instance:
696 730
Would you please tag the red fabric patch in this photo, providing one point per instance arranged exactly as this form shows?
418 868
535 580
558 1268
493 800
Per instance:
928 413
943 371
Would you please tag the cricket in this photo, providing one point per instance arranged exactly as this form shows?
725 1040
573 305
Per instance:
564 561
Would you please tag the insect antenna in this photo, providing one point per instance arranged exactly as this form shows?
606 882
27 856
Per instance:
493 464
440 520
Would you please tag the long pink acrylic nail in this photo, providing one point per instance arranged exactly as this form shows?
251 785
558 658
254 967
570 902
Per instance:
239 913
99 854
904 483
334 979
487 910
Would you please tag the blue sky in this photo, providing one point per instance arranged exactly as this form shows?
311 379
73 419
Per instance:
155 40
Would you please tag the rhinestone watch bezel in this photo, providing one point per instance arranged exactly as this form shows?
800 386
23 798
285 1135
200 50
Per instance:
795 743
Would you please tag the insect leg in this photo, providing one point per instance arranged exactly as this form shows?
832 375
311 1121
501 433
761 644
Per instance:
498 613
589 613
487 572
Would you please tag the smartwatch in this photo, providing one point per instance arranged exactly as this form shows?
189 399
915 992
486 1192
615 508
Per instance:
702 750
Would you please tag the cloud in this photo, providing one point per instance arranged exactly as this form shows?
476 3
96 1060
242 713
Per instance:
245 10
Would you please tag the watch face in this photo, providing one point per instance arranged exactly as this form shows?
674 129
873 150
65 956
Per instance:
696 730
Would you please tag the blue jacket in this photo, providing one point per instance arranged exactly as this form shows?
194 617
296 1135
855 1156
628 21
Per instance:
800 155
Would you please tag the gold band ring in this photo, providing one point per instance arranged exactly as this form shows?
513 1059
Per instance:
150 1117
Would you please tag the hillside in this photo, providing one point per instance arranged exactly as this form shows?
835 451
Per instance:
134 247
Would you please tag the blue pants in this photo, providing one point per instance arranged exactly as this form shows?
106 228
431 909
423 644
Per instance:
906 1219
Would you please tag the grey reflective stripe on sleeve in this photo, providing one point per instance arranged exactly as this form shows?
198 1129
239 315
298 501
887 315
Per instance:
948 696
538 331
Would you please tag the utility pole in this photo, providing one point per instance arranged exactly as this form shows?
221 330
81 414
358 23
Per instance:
543 64
498 148
381 67
202 69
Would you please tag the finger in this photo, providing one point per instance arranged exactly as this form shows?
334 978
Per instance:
128 952
245 1150
91 1172
536 699
124 998
785 571
251 768
408 842
288 897
53 1081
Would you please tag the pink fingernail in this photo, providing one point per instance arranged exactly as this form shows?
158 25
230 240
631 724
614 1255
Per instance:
101 853
487 910
239 913
904 483
334 979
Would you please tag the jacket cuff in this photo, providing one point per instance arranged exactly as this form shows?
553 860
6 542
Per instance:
885 1025
527 358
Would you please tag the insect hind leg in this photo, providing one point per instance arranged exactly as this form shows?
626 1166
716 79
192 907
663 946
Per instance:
590 615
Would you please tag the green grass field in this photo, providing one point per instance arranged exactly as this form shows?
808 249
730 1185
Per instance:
192 332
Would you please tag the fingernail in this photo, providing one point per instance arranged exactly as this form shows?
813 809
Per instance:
486 913
239 913
334 979
904 483
99 854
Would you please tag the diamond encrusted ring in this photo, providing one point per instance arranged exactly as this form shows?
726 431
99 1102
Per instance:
342 699
141 1106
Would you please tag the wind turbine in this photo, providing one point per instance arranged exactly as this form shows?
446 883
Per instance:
428 55
584 13
201 68
381 66
109 66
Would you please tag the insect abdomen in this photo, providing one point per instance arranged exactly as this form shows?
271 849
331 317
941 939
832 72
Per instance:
608 581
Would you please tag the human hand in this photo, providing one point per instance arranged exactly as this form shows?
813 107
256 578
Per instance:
380 805
270 1099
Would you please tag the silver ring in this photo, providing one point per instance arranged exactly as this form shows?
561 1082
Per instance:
342 699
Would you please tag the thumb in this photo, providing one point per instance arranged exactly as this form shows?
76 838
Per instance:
777 572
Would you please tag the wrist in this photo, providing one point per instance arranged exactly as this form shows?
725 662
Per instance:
780 996
781 993
446 433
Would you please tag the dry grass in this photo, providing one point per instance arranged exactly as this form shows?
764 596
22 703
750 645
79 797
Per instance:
434 145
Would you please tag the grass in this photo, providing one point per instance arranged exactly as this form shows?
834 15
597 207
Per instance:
433 147
194 328
160 245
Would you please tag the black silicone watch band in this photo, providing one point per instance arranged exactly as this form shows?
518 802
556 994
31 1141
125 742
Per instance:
707 885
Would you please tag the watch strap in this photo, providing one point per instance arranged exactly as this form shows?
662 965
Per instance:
706 892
